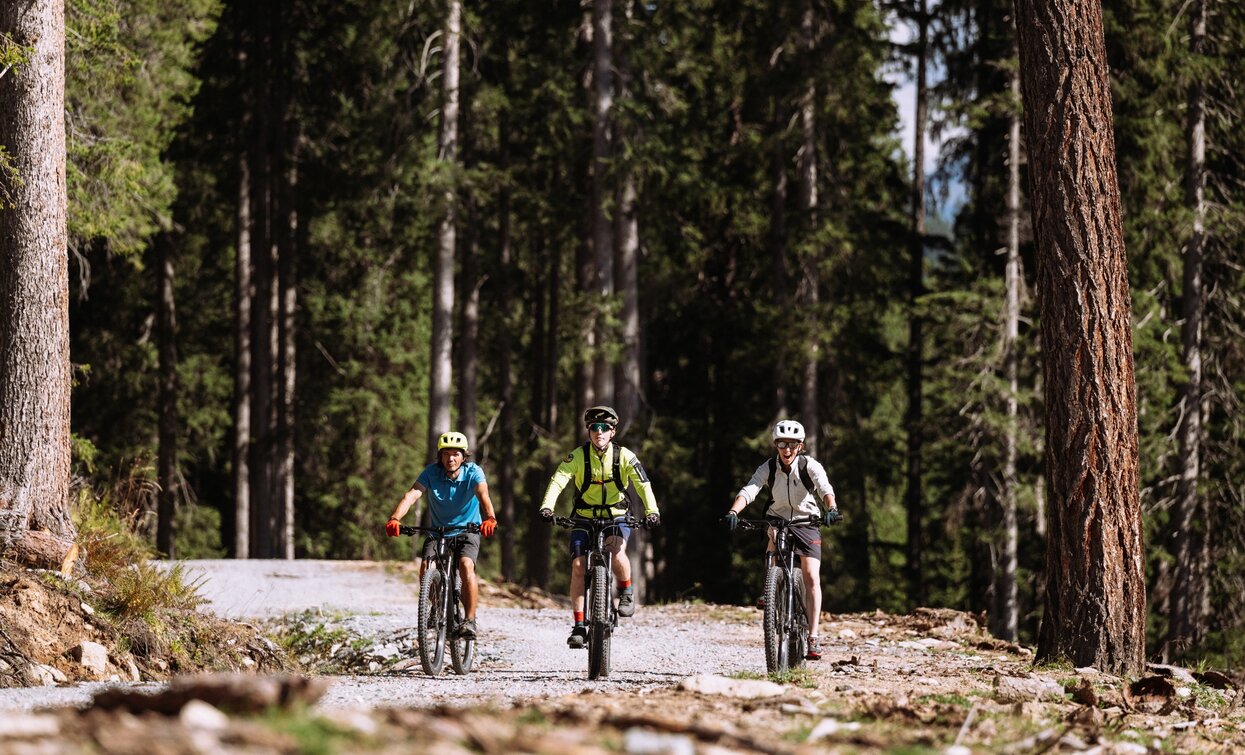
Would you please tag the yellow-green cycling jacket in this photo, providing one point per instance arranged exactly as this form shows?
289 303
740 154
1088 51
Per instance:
602 489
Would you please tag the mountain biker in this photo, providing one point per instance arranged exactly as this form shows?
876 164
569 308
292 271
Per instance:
457 491
796 483
601 471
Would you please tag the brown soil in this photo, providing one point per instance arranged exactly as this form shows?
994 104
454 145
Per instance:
43 617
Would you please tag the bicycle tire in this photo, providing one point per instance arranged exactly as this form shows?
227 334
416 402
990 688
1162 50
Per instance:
798 640
599 629
432 621
462 649
775 620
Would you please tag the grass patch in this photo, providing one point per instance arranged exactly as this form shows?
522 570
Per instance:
799 677
313 735
946 698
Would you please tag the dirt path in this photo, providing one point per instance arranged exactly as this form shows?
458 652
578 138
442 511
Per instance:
925 681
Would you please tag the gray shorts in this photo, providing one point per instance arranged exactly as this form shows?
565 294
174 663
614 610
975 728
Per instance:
470 548
806 541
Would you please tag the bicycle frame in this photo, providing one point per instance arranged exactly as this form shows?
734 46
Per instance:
787 622
598 557
445 619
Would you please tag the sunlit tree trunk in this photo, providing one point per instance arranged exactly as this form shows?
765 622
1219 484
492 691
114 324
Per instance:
243 294
1005 617
1095 591
443 267
34 281
810 285
1187 609
287 362
913 421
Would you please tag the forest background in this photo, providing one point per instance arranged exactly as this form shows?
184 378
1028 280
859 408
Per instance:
282 217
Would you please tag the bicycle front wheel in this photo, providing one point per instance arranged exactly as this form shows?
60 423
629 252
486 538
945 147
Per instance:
462 649
798 637
599 629
432 621
775 620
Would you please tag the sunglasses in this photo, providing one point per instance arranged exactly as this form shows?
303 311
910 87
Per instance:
785 444
599 427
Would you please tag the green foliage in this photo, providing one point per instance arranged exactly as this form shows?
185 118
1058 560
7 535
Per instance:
119 560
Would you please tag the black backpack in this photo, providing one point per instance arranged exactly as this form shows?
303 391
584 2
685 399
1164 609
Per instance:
587 481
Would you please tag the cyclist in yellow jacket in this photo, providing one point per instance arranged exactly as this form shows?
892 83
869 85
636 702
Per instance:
601 471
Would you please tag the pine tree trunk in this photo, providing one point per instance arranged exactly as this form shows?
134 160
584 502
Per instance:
287 270
626 265
1186 620
1095 592
244 292
34 281
505 359
913 421
443 268
166 456
602 223
468 340
776 238
264 307
811 284
1005 617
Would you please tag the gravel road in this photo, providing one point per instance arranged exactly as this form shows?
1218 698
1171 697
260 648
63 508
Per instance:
522 651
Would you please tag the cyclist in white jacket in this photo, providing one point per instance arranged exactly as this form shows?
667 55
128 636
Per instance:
797 484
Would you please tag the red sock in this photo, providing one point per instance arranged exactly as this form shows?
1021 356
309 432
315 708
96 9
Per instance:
579 617
625 584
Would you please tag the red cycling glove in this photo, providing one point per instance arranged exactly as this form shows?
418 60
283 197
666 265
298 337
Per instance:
393 528
487 527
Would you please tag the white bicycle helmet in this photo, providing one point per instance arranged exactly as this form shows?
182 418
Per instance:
789 429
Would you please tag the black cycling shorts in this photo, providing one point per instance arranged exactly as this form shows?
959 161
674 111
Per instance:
807 540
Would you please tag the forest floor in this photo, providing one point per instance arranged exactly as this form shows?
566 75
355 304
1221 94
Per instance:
686 678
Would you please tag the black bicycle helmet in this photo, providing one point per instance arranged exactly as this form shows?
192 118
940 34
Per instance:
604 414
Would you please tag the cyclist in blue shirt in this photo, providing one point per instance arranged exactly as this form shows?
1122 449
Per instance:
456 491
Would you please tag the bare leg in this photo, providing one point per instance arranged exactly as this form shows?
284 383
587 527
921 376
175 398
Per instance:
471 588
578 566
622 564
811 568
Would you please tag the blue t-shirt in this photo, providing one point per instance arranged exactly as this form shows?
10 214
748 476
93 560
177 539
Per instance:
453 503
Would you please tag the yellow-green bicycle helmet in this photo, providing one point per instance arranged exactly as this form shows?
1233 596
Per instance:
452 440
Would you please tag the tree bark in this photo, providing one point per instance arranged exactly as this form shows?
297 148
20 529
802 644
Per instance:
811 284
443 267
602 194
913 421
287 362
1189 593
1095 596
244 293
166 461
505 359
34 281
1005 617
779 279
468 340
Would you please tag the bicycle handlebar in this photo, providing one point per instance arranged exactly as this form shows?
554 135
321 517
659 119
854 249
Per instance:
408 529
567 522
777 523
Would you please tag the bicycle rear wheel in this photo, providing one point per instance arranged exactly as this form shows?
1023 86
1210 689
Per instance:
775 620
599 627
432 621
462 649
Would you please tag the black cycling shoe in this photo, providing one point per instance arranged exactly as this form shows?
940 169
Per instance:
467 629
626 605
578 638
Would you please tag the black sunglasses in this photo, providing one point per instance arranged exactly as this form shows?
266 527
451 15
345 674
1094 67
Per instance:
785 444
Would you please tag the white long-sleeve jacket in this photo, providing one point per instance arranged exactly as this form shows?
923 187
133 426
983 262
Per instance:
791 499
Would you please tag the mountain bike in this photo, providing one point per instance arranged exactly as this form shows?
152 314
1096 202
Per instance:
785 621
601 613
441 611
